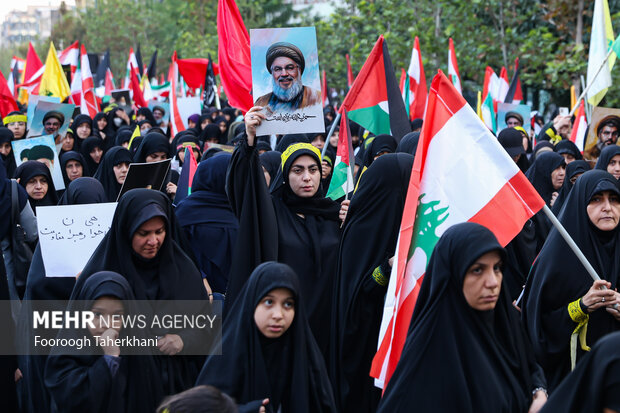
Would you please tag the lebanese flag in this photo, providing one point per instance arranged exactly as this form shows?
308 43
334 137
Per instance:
176 123
109 83
350 77
417 83
342 177
374 100
70 57
487 188
88 101
580 127
75 95
515 94
503 85
132 66
453 67
324 89
33 72
7 101
234 55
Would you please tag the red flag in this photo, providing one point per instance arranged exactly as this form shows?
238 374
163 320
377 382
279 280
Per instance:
70 57
580 127
7 101
234 55
194 71
33 71
88 102
417 83
324 89
134 86
503 85
350 77
176 123
109 83
515 94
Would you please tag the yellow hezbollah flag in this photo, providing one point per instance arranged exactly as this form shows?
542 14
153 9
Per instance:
135 134
54 82
601 40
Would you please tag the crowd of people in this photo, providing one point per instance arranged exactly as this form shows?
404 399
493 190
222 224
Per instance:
303 277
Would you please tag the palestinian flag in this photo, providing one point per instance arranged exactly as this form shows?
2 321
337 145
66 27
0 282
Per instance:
342 176
487 188
374 100
515 93
184 188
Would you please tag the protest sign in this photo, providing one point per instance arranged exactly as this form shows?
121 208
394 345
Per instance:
504 108
33 100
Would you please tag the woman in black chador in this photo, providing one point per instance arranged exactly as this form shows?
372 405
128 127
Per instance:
563 309
268 349
465 350
295 224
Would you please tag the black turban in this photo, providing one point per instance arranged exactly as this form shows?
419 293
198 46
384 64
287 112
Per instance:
287 50
54 114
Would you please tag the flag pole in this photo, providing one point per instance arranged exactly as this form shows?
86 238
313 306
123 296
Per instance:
574 247
329 135
583 94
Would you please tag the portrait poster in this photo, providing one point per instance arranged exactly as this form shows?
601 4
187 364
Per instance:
523 110
286 81
41 149
64 111
33 100
164 105
599 115
121 97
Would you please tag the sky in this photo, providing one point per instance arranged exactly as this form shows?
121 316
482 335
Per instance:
7 6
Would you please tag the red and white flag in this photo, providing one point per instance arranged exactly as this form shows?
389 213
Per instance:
15 73
503 85
176 123
453 68
324 91
487 188
88 102
578 135
132 65
350 77
417 83
75 96
70 57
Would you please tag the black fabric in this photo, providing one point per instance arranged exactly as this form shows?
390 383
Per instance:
211 132
288 140
540 145
151 143
83 382
9 160
368 241
83 190
288 370
208 221
72 156
123 135
482 357
171 275
8 364
567 146
87 147
28 170
146 112
271 161
572 169
105 173
594 384
558 278
309 244
381 143
409 143
5 203
607 154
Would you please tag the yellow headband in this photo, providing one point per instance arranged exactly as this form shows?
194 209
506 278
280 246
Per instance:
14 118
298 146
521 129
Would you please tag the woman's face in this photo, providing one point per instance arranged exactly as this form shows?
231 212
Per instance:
5 148
223 126
83 130
613 167
145 127
275 312
319 141
326 170
483 282
37 187
156 157
102 123
67 142
333 140
204 123
604 210
74 170
120 172
18 129
568 158
304 176
108 312
96 154
148 239
557 177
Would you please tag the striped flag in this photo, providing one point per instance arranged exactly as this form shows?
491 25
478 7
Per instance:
33 70
600 40
132 66
176 123
350 77
515 94
184 188
487 188
580 127
342 177
88 101
70 56
417 83
488 113
453 68
503 85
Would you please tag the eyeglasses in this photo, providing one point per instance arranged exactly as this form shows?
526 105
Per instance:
289 69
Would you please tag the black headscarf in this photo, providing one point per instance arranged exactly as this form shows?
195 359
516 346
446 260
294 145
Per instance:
187 140
152 142
72 156
484 357
87 147
607 154
9 160
28 170
211 131
272 162
540 145
566 146
5 200
594 384
123 135
288 140
289 370
105 174
572 169
209 223
409 143
558 278
359 299
381 143
83 382
80 119
539 173
83 190
146 112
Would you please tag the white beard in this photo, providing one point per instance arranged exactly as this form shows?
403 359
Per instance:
289 94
